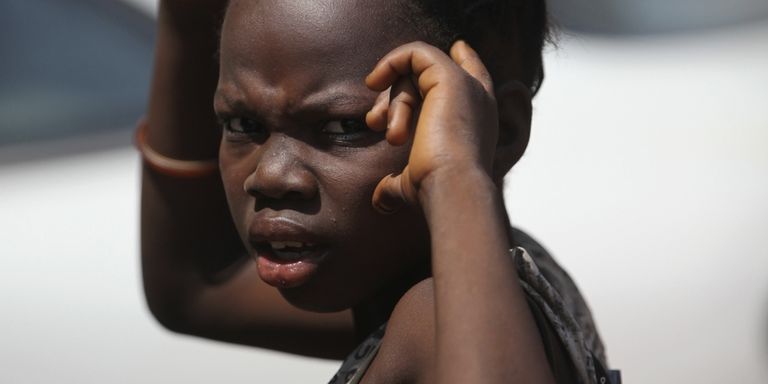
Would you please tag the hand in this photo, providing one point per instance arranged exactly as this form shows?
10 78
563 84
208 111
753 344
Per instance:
452 103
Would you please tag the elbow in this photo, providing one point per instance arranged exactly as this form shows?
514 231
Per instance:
168 309
169 319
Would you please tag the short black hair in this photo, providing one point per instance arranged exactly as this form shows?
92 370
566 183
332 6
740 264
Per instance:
521 25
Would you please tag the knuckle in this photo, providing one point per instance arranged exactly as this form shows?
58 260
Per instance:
426 48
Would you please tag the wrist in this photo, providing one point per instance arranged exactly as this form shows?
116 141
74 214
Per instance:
445 188
172 166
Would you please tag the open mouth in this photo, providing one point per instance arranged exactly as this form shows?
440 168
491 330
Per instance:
287 252
292 251
288 264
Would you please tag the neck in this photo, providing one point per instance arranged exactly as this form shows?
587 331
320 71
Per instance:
510 231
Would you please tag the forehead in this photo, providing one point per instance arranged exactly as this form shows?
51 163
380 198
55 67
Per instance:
312 42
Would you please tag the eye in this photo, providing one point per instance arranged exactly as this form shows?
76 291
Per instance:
345 127
244 126
349 132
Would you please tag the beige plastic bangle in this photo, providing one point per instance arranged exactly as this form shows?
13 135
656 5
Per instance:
167 165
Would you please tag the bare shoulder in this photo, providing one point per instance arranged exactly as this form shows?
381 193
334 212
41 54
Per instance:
407 350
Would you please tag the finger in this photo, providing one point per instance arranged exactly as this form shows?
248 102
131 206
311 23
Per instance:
376 118
387 197
405 101
420 59
468 59
392 193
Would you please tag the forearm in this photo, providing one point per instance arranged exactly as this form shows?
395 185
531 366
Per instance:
484 330
175 212
182 123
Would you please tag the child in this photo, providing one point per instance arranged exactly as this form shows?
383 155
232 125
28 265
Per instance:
361 157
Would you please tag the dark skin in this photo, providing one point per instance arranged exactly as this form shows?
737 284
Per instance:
198 278
296 149
299 164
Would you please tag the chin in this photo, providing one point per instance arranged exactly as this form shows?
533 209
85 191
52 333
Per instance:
316 297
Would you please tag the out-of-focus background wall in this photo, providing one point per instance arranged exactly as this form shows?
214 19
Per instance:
646 176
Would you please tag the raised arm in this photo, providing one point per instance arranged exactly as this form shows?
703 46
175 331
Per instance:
197 278
484 330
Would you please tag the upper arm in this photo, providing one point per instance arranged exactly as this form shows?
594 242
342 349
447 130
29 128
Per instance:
408 349
244 310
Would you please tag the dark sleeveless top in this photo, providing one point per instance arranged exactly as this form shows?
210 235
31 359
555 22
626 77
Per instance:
553 298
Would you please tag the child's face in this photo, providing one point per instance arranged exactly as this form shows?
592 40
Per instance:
298 165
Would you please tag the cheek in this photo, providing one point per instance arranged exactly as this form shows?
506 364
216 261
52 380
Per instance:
377 247
348 188
348 181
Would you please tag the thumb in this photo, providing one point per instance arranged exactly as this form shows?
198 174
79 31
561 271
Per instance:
393 192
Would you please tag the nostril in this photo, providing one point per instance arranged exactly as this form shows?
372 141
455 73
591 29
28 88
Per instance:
289 195
295 195
281 183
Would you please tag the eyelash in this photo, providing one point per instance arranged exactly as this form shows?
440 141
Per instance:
257 131
358 125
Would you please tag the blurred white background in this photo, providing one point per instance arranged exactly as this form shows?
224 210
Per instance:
646 176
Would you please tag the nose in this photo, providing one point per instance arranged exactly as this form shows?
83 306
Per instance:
281 171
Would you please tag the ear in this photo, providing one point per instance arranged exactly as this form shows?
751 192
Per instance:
514 106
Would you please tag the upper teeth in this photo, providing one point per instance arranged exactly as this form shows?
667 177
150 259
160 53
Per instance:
287 244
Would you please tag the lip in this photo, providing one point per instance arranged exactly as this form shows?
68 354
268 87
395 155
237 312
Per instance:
285 269
266 228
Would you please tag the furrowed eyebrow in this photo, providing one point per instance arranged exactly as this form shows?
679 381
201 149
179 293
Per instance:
330 101
333 101
229 104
